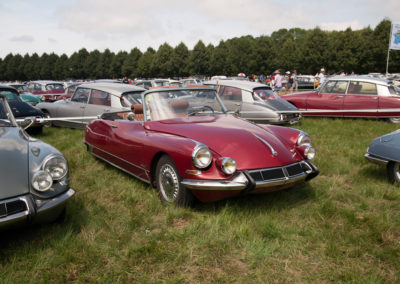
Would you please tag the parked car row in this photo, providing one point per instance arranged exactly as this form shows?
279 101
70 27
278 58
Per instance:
190 143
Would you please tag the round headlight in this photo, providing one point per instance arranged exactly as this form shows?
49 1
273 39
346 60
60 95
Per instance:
303 139
309 152
56 166
42 181
201 157
228 166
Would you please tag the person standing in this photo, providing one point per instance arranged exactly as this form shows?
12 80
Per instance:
278 82
295 82
321 77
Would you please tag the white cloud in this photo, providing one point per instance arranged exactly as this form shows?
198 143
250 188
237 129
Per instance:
22 38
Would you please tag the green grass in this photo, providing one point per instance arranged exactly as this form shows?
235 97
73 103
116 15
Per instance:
342 226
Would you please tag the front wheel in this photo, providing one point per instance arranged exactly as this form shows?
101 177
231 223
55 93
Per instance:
169 185
393 171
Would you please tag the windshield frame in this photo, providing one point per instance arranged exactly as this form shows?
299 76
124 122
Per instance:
8 112
148 96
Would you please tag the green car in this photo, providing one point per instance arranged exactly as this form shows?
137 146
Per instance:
27 96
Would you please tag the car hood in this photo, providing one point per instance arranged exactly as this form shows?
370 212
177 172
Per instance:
23 109
249 144
387 146
13 163
280 104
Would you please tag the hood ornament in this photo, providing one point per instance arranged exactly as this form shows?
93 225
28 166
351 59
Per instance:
274 153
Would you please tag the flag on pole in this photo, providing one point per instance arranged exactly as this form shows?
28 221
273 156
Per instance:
395 36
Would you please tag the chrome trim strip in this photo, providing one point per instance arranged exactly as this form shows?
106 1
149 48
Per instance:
266 143
343 110
239 182
375 160
118 167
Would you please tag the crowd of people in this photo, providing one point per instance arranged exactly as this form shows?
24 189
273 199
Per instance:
286 84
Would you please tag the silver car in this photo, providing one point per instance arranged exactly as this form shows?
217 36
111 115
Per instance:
91 100
255 101
33 175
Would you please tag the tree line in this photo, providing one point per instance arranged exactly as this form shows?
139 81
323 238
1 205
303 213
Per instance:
307 51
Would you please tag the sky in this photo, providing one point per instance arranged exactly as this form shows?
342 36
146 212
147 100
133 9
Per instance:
66 26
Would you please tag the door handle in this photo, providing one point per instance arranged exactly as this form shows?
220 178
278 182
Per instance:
339 97
114 126
82 107
374 98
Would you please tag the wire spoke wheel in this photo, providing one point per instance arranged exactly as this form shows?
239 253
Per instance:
169 185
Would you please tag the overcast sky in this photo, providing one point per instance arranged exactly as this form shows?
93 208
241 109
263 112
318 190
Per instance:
65 26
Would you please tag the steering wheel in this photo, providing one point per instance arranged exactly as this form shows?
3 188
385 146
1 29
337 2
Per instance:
194 110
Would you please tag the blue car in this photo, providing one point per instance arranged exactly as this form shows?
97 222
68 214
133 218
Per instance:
385 150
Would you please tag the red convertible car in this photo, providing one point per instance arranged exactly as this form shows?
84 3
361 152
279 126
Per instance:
351 96
183 142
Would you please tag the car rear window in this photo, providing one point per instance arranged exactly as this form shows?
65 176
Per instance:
10 95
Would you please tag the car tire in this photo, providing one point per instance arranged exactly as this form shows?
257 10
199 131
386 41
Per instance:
47 115
169 187
393 171
395 120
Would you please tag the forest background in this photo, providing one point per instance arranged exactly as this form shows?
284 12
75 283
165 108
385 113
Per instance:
307 51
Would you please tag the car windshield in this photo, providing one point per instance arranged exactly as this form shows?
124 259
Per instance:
20 87
4 115
54 86
263 94
180 103
11 96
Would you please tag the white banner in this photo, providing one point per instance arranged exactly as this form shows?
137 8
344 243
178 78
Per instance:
395 36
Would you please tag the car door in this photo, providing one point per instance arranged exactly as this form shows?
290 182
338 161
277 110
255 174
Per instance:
124 141
389 101
329 98
361 100
99 103
74 108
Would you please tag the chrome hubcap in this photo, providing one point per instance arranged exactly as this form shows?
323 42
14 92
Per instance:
169 183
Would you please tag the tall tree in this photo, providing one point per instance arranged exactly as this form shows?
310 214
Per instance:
145 63
130 65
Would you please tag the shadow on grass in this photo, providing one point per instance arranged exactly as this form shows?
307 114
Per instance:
276 201
22 239
374 172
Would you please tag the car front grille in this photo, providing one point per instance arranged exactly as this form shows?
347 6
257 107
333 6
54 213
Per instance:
284 172
12 207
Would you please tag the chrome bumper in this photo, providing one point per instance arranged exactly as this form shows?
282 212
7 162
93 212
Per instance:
35 210
376 160
243 180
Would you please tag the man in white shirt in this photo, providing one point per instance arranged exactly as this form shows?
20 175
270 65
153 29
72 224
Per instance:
321 77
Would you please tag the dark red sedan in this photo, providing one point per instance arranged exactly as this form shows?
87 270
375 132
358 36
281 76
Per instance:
351 96
183 142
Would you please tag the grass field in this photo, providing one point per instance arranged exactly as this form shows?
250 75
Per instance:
342 226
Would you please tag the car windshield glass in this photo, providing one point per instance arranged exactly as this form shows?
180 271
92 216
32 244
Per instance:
180 103
263 94
54 86
131 98
10 95
19 87
4 116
